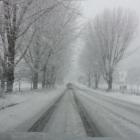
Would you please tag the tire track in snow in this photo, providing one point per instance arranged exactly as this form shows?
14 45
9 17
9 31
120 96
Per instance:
40 124
90 127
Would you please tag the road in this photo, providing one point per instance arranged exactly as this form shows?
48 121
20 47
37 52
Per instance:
81 112
61 118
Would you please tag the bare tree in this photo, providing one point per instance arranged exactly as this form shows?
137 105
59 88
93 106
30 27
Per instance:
113 32
62 33
18 18
54 35
90 60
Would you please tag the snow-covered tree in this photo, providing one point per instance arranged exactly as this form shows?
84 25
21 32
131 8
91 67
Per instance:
112 33
53 37
90 60
17 19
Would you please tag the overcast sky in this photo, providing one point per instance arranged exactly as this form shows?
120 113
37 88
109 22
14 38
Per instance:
93 7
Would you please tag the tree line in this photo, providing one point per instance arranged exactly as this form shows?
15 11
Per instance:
35 35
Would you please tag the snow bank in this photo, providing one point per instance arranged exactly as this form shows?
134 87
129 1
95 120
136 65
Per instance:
126 97
29 108
16 98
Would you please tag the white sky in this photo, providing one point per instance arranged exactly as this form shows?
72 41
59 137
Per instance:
93 7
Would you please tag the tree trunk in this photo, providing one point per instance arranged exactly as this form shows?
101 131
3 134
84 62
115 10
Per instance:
10 66
44 77
19 85
10 73
35 80
96 83
3 78
89 80
31 84
110 82
54 81
3 72
10 22
97 79
2 84
47 83
10 85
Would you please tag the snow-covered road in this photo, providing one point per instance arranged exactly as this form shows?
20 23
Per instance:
66 119
112 117
77 112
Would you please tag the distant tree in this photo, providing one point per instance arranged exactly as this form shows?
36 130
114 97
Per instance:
17 19
90 59
112 33
53 37
62 33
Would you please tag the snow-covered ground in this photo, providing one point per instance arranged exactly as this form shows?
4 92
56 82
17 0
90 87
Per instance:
126 97
111 114
24 85
114 114
29 106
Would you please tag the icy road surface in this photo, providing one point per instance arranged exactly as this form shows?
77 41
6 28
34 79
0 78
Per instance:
66 119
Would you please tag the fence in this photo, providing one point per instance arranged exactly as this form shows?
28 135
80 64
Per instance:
127 89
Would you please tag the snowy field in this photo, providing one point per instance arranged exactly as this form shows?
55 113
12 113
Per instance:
23 85
27 107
